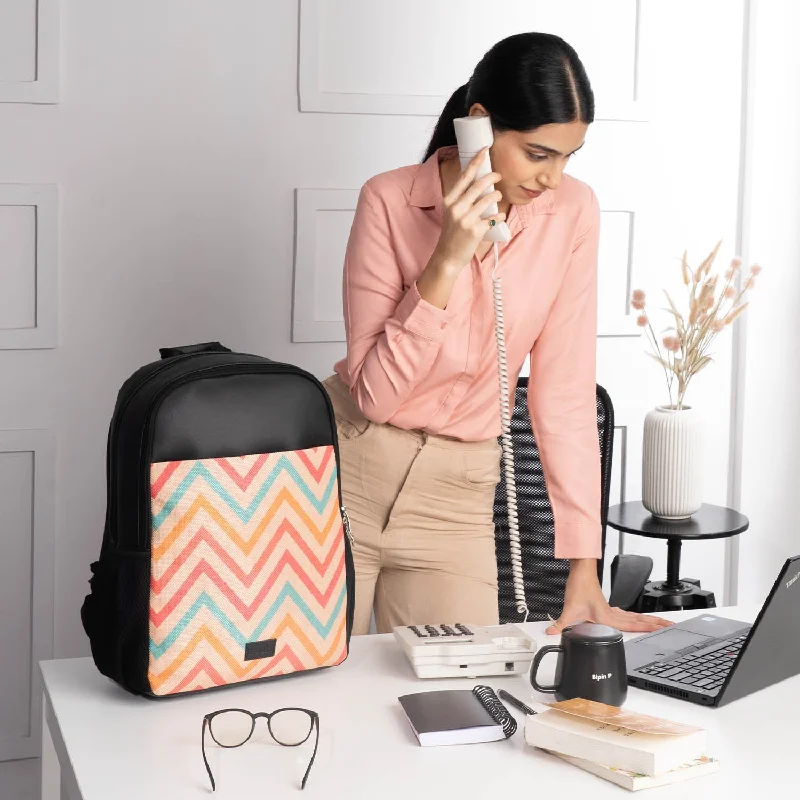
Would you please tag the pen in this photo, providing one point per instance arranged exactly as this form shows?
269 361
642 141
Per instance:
504 695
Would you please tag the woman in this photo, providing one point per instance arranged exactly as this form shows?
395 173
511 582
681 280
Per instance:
416 397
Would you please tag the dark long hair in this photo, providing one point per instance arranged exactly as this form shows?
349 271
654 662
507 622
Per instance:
526 80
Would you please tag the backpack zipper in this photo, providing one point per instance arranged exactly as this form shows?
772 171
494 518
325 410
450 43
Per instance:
112 489
346 520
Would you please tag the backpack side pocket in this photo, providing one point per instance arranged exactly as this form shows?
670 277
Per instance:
115 617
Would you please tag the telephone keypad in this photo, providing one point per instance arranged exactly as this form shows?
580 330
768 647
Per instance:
432 631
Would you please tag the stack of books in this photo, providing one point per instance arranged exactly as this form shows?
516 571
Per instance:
635 751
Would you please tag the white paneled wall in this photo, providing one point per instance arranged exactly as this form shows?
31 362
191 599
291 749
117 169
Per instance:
28 322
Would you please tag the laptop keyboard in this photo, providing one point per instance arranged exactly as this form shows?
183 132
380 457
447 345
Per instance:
707 671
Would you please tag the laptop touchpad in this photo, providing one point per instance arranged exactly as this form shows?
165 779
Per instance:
664 643
671 640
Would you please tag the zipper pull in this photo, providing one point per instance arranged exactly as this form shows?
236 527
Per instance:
346 521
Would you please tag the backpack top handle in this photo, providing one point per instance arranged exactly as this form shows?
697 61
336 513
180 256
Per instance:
203 347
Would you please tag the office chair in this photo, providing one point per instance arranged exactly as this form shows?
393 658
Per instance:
545 577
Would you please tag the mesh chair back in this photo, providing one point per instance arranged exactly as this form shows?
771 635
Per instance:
545 577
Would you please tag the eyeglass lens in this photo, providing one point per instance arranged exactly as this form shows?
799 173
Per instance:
231 728
290 726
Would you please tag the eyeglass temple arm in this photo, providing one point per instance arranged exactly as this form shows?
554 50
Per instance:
314 754
205 760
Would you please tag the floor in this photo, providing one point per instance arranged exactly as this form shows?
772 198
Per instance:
19 780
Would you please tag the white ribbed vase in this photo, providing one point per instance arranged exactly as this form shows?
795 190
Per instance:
672 462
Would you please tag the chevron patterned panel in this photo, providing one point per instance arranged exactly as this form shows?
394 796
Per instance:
245 549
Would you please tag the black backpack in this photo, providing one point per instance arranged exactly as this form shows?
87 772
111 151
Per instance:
226 554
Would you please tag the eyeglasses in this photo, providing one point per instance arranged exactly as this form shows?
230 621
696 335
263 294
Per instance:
232 727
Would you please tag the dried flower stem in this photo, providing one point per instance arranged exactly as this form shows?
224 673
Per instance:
686 351
667 374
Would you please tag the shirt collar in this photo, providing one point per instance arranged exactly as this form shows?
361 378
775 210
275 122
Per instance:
426 189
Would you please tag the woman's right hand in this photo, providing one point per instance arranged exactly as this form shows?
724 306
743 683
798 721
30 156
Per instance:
462 226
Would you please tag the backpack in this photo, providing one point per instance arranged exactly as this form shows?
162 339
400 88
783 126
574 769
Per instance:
226 553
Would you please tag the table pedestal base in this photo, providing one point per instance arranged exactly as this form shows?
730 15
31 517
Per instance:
684 596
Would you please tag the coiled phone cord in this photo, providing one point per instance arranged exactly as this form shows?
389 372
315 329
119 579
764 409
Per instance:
508 449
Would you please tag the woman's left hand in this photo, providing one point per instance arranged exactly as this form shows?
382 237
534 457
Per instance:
584 601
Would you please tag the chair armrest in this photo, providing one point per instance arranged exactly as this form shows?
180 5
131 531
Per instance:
629 574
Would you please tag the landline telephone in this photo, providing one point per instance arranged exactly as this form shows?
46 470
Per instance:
466 651
486 651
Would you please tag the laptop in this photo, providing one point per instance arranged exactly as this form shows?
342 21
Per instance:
714 660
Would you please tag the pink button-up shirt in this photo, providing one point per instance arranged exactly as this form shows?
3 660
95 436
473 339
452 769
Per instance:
414 365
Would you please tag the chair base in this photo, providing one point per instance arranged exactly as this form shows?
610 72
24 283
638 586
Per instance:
687 595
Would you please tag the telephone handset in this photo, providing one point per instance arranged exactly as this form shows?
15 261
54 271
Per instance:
472 134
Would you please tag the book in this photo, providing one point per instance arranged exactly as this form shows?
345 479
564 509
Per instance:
611 736
634 781
450 716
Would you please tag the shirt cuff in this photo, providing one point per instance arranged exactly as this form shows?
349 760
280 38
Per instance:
420 317
578 540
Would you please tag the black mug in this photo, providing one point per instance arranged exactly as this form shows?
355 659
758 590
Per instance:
591 664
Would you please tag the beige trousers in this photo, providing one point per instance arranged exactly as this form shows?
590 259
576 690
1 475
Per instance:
421 514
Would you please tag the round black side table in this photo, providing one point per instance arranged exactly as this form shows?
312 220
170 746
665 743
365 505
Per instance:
710 522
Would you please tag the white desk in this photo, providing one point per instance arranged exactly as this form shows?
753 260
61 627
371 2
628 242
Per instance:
110 744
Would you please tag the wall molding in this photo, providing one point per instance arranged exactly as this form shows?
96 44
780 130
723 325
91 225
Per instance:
44 334
313 99
629 422
45 89
622 323
305 326
739 332
42 444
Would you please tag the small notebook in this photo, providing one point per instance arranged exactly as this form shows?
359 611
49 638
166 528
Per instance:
457 716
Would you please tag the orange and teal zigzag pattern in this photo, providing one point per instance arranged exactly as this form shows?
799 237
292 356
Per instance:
245 549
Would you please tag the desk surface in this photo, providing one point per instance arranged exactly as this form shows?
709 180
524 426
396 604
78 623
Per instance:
126 747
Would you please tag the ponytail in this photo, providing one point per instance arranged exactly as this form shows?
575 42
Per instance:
444 133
